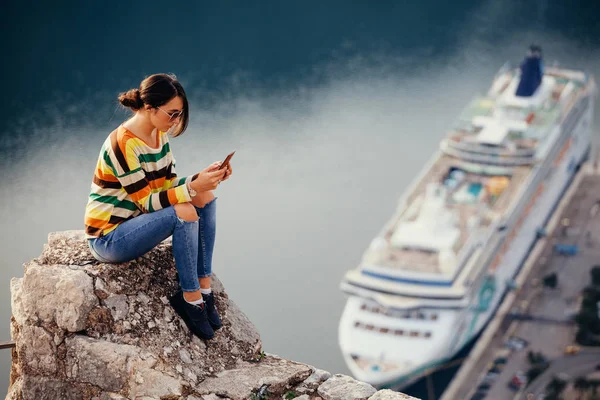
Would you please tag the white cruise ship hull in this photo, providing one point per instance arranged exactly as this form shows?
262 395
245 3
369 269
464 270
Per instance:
391 344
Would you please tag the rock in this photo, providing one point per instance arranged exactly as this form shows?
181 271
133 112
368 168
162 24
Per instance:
55 295
100 363
303 397
387 394
241 327
111 396
185 356
99 331
67 248
153 384
210 396
118 306
237 384
43 388
342 387
38 349
314 380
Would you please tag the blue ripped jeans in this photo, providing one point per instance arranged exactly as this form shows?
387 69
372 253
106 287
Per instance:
193 242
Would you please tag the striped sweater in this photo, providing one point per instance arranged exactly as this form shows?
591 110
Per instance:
132 178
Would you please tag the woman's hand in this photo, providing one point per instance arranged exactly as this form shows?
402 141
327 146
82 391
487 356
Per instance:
228 172
208 179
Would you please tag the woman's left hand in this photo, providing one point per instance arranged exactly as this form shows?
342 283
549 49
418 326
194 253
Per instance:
228 172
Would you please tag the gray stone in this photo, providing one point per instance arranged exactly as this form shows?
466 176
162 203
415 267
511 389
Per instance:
118 306
303 397
241 327
37 349
67 248
168 314
237 384
314 380
387 394
143 298
111 396
151 383
185 356
53 294
342 387
104 364
210 396
43 388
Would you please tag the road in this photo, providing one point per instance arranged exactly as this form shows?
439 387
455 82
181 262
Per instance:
574 366
547 307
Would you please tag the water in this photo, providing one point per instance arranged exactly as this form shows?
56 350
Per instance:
332 109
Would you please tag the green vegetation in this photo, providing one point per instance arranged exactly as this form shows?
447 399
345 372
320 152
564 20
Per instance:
587 319
595 275
551 280
538 362
584 385
289 395
555 388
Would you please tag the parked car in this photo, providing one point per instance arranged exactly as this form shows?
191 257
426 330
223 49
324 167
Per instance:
478 396
515 343
518 381
571 350
490 377
500 361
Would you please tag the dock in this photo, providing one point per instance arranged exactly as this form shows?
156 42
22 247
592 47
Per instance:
536 317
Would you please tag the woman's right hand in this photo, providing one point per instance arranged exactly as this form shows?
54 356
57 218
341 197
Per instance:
208 179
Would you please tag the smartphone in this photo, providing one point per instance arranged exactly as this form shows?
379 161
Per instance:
227 159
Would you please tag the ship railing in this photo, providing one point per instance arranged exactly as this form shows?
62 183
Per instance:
495 160
482 150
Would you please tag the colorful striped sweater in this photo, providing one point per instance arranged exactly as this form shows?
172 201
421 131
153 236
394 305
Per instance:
131 178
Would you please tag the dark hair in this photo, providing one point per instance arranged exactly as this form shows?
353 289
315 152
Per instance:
155 91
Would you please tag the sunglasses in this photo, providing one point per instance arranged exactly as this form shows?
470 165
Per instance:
172 116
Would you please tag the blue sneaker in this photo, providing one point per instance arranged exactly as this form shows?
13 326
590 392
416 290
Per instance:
211 311
194 316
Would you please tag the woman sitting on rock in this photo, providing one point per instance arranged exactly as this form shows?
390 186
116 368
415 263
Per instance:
137 200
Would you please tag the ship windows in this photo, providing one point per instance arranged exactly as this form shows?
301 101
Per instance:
399 314
395 332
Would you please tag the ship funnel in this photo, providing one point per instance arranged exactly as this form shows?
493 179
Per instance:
531 72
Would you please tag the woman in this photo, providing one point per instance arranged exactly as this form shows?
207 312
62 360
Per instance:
137 200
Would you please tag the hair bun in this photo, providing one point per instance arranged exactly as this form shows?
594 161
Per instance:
131 99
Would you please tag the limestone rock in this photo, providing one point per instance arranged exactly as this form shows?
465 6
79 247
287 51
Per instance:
241 327
98 362
314 380
55 295
118 306
237 384
98 331
43 388
387 394
148 382
38 349
342 387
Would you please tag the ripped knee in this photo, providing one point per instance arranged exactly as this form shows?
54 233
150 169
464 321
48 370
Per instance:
186 212
203 198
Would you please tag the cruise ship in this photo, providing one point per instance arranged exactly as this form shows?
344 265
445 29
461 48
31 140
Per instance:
434 275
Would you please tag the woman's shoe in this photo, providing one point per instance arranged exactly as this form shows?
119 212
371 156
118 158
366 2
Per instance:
194 316
211 311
